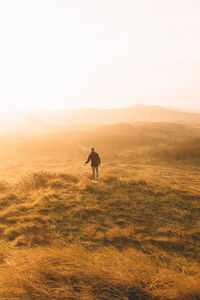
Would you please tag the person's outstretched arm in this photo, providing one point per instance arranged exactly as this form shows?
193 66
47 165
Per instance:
89 158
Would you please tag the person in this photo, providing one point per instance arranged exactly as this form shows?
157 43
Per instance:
95 162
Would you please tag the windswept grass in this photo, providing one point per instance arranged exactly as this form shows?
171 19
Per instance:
124 237
43 179
76 273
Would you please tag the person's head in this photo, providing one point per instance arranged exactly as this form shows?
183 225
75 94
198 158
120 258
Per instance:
92 149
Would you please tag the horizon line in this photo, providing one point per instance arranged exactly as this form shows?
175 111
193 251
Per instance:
97 108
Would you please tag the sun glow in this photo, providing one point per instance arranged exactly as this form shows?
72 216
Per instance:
71 54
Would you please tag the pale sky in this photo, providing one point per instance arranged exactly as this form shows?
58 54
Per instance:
59 54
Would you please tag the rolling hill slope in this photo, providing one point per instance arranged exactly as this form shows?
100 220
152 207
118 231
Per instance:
64 237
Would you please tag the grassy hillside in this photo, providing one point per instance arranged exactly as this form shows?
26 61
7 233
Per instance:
188 150
123 141
132 235
125 237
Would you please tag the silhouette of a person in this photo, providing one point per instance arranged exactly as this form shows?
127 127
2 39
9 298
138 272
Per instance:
95 162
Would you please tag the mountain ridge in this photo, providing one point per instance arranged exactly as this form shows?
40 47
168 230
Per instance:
45 120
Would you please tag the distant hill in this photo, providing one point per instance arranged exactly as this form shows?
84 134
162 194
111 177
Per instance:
136 113
29 122
188 110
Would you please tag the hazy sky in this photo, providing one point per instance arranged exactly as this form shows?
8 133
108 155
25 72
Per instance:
99 53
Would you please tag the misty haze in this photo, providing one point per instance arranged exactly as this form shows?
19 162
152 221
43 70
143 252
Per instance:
100 150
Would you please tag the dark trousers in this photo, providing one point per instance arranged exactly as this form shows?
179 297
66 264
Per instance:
95 170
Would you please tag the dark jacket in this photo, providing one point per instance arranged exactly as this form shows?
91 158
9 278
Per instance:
94 158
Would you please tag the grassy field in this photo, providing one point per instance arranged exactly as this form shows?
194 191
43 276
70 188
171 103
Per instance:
135 234
132 235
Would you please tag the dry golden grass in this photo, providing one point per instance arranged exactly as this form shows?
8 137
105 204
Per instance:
132 235
73 272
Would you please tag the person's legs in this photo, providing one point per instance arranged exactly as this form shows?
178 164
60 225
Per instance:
93 172
97 173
